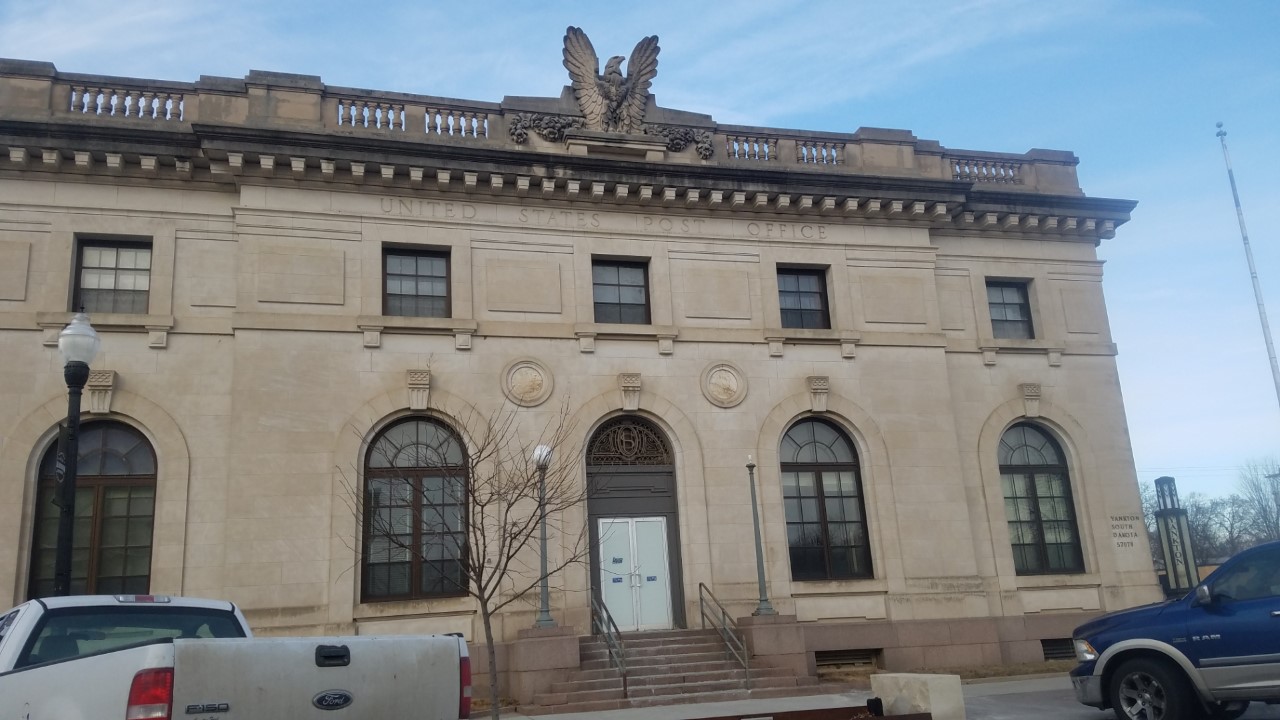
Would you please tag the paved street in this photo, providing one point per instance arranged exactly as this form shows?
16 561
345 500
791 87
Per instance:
1035 699
1050 699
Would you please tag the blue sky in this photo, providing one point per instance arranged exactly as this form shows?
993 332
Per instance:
1133 88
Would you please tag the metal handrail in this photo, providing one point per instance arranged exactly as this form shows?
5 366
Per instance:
734 642
604 625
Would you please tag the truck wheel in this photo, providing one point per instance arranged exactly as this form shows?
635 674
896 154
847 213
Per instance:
1146 689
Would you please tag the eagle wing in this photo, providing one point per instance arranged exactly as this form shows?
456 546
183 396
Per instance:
584 67
641 69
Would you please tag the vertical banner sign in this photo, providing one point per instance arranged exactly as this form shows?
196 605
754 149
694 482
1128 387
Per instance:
60 463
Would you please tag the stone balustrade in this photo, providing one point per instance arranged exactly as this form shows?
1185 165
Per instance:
364 113
458 123
124 101
751 147
36 90
818 152
985 169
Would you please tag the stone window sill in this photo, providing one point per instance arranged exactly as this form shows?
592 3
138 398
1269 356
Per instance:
603 329
392 609
588 332
1036 582
157 327
778 337
1032 345
991 347
373 326
821 588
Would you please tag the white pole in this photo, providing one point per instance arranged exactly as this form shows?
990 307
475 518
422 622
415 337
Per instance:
1253 271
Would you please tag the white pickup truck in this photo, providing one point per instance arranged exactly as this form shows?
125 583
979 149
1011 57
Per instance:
142 657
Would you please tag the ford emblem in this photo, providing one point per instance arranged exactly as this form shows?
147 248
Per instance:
332 699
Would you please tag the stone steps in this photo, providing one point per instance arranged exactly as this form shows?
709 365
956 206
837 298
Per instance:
595 673
665 668
658 660
635 653
685 699
613 681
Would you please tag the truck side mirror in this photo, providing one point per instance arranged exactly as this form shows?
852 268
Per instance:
1204 596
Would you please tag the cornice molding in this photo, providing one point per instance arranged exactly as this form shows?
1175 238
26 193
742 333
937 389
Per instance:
239 156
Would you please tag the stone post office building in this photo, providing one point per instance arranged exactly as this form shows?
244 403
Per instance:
910 341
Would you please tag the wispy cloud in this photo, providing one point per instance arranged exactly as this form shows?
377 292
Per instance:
1132 87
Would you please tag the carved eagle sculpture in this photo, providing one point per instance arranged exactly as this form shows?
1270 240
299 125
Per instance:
610 102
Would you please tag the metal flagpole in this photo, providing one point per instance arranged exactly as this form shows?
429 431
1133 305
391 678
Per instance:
1253 271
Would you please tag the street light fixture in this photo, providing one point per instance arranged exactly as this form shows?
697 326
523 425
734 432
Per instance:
764 607
542 460
78 343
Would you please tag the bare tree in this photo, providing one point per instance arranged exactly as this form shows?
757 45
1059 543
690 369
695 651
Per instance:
1259 486
462 516
1204 520
1234 526
1147 493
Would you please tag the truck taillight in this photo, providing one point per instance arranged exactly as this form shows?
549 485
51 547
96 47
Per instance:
150 695
464 688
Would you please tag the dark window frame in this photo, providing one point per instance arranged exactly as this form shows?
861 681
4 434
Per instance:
116 243
1023 287
403 252
821 315
94 487
863 551
643 266
416 476
1040 545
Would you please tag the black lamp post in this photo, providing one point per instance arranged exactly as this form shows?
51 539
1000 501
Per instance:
542 459
763 607
78 343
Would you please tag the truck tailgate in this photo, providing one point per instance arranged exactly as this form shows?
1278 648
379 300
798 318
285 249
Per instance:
272 678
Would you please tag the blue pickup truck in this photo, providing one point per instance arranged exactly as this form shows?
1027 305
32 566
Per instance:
1205 655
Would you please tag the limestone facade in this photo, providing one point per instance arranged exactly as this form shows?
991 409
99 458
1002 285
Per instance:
265 361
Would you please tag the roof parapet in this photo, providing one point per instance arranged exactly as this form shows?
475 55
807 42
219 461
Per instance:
31 90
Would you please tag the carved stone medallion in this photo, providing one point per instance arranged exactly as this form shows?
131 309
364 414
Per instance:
724 384
527 382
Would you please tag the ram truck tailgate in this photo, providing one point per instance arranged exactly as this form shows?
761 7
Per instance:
347 678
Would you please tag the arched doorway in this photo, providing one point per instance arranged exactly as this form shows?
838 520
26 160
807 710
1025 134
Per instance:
635 528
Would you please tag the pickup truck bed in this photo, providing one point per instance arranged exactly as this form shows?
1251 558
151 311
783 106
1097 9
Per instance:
376 677
155 658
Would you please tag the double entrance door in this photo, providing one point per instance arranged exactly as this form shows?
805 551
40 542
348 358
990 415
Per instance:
634 572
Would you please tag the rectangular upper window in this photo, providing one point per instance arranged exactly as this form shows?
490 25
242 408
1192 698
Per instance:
416 283
113 277
620 291
802 297
1010 310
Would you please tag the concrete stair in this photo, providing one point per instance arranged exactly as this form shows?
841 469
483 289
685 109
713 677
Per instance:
666 668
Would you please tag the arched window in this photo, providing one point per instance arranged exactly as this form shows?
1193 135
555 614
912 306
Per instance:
822 493
1037 503
415 493
115 509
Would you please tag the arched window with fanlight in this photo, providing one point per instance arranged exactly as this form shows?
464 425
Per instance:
415 531
1037 503
822 495
114 514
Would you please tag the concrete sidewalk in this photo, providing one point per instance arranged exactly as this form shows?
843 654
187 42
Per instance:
713 709
988 705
